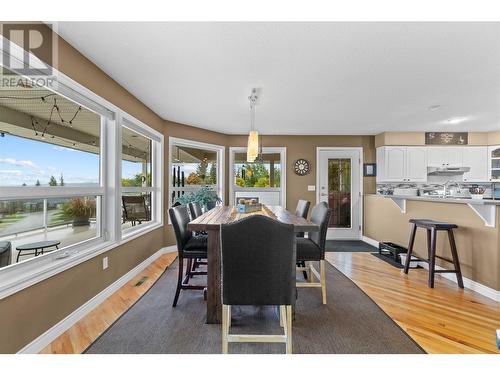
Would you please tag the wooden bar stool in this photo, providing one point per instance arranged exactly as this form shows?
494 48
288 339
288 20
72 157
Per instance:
432 228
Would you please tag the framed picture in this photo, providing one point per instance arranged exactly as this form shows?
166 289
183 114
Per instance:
369 170
449 138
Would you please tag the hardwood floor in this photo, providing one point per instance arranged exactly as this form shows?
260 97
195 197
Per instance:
442 320
86 330
445 319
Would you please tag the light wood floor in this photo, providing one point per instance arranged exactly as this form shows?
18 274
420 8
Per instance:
86 330
445 319
442 320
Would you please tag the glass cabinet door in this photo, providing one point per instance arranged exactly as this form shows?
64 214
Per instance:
495 163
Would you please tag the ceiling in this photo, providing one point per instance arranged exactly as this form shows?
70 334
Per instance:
316 78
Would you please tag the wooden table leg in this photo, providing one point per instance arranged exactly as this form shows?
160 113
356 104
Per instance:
214 300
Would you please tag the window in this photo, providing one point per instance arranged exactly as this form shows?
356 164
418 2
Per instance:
193 166
263 179
64 177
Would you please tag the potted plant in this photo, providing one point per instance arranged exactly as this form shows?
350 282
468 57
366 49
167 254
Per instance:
206 196
80 210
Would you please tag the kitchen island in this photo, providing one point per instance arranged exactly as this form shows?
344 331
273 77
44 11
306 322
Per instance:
478 236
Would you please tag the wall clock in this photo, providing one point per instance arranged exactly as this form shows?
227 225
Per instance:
301 167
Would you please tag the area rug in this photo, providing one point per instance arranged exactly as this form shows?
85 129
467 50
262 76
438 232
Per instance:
350 323
348 246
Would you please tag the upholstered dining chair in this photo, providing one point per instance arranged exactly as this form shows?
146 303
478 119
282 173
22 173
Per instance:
189 247
258 268
313 249
195 210
302 210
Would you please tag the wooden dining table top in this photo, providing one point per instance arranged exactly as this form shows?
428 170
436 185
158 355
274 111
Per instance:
212 220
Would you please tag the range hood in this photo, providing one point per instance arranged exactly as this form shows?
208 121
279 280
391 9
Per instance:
446 171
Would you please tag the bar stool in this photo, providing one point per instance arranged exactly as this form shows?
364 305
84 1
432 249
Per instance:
432 228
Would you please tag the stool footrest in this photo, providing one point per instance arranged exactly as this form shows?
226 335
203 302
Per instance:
445 271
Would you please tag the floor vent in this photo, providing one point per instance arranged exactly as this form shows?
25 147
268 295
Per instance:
141 281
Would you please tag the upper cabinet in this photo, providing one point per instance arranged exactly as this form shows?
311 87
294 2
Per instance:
444 156
494 163
401 164
476 158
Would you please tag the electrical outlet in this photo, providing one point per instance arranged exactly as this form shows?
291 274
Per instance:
104 263
311 187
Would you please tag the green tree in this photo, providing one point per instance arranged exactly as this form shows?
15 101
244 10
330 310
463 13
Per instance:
213 173
37 183
52 181
201 170
61 180
262 182
135 181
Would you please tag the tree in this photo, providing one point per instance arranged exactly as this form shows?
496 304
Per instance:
61 180
37 183
213 173
24 183
52 181
194 179
201 170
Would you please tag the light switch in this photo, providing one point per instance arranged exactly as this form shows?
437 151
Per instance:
311 187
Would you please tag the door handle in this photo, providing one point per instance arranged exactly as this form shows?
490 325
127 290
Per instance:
324 195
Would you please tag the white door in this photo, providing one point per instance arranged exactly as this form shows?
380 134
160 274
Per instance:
476 158
395 163
340 186
416 164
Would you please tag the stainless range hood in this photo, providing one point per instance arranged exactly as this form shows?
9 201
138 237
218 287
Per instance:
447 171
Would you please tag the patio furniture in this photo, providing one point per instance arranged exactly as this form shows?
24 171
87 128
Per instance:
211 222
432 228
5 253
258 268
313 249
36 248
189 247
135 209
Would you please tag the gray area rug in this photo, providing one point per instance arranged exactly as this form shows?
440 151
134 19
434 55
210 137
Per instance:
349 246
350 323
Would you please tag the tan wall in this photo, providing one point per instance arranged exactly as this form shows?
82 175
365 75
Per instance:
30 312
304 146
478 246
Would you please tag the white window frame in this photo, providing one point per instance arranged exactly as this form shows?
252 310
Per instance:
233 188
218 149
18 276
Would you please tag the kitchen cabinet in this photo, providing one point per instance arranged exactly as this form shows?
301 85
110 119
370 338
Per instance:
476 158
494 163
401 164
445 156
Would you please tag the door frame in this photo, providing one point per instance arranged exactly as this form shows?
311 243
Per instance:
360 150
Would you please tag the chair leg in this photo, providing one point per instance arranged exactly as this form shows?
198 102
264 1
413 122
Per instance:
310 274
410 247
428 244
304 273
282 315
322 270
432 259
179 281
288 324
225 327
454 254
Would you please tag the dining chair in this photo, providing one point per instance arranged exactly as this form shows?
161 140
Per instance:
313 249
302 210
258 268
195 209
188 247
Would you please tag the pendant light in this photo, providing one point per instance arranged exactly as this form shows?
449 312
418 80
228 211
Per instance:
253 136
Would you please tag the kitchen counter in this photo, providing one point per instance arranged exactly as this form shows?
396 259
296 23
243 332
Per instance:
386 218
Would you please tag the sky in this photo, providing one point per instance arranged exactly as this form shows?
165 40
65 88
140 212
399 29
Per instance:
25 161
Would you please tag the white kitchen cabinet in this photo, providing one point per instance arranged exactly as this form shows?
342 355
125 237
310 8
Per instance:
476 158
494 163
401 164
444 156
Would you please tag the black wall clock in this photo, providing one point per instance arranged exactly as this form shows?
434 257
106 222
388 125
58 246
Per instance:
301 167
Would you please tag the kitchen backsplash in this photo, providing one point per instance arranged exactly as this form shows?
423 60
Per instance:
435 186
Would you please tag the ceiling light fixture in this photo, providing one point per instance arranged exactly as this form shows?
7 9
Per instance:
253 136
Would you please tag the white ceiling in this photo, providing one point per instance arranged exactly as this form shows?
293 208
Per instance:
316 78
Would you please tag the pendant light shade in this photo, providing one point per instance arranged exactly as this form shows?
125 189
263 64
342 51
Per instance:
253 146
253 136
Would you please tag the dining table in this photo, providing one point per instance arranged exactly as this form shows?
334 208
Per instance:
210 222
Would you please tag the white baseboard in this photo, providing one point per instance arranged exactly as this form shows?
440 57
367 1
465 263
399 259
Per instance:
468 283
52 333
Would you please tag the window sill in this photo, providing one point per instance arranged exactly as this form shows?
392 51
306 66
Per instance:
26 274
